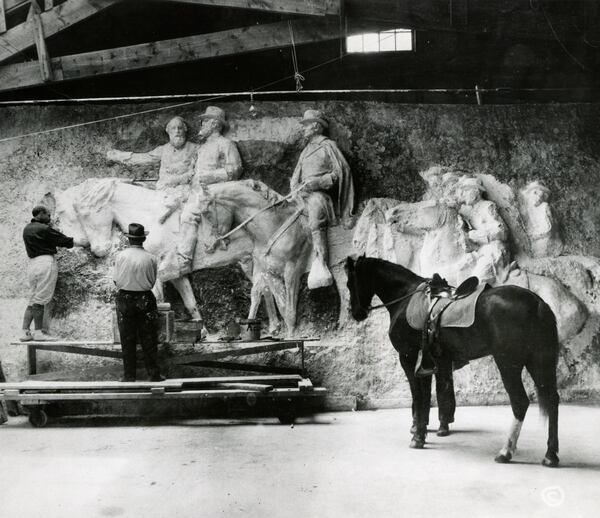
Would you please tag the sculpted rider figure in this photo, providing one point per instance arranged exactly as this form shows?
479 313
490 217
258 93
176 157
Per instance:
539 221
176 159
218 160
486 231
324 184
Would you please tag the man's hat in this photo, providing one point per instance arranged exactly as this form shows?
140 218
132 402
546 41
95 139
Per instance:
216 113
136 230
314 116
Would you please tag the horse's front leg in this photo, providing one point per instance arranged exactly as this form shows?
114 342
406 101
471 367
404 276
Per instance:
159 291
183 286
420 389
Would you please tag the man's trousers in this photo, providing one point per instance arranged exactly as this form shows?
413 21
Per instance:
137 317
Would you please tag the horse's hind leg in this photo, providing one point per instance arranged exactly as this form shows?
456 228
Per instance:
446 400
519 402
543 373
183 286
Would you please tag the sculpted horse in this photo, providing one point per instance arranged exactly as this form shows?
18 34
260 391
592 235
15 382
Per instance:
281 240
512 324
88 211
444 251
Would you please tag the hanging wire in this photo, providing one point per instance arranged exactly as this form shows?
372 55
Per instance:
297 75
556 36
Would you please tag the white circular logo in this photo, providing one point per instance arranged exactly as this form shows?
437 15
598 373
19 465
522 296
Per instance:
553 496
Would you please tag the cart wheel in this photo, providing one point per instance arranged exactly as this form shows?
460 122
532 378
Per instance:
38 418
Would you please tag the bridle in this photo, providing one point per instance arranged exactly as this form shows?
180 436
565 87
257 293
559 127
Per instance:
399 299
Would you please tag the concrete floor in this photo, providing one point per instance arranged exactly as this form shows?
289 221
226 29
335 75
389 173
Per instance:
335 465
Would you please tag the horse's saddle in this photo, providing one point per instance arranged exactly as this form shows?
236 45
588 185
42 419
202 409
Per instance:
446 306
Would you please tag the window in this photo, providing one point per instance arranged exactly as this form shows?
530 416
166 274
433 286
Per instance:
394 40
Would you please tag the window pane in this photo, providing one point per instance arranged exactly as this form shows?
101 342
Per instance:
387 40
404 40
371 42
354 43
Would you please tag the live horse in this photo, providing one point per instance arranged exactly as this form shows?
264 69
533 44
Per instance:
512 324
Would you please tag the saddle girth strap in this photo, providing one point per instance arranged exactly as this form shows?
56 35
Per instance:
282 229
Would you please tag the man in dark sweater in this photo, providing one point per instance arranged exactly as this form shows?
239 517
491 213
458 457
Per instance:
41 241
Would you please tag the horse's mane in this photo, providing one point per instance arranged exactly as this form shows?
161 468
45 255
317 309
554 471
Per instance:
394 271
257 186
93 193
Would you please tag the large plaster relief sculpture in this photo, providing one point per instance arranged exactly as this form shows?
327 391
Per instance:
462 234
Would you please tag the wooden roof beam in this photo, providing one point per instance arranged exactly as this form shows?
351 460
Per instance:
305 7
61 17
171 52
40 42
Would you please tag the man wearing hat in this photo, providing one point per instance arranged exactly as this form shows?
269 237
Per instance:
324 184
486 231
176 158
41 241
134 274
218 160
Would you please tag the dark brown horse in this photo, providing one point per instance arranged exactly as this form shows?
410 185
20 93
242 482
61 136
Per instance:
512 324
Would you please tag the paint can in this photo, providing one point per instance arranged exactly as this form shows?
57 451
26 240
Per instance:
253 328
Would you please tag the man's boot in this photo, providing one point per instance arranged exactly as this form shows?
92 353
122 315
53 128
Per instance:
319 275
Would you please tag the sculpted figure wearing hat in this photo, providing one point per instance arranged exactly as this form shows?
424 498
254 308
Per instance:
218 160
539 221
324 184
487 232
134 275
176 159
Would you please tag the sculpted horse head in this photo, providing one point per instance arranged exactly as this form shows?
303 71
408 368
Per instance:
84 211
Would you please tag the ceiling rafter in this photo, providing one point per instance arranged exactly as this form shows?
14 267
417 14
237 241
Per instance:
305 7
20 37
169 52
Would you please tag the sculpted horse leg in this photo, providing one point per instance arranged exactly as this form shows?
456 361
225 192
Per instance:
183 286
340 279
260 290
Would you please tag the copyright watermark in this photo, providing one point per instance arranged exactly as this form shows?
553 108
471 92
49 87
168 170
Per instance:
553 496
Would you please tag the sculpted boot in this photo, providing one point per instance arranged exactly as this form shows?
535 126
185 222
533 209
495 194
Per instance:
319 275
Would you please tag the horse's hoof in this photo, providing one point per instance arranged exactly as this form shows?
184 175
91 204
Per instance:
501 458
413 429
550 461
417 444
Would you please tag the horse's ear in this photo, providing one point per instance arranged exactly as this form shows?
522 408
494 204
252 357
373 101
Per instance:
49 202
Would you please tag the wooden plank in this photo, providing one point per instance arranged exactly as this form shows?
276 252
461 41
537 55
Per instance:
308 7
57 19
91 343
40 43
247 367
241 351
253 387
87 351
277 393
175 382
2 17
170 52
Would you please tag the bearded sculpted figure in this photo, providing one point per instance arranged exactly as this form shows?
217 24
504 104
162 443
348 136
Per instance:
176 159
218 160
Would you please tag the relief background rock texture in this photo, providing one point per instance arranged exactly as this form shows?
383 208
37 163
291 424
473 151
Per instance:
386 146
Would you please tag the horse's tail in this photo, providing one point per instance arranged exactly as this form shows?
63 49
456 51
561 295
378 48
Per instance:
544 362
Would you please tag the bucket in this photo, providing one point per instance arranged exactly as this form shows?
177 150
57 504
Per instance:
253 327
